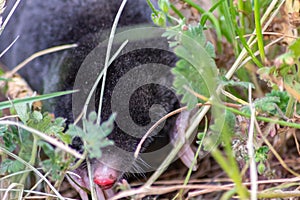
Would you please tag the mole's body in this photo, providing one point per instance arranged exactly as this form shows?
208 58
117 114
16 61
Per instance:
43 24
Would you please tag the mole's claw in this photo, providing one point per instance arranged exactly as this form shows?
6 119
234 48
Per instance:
186 153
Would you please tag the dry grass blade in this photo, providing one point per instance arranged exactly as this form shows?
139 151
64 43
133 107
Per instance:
199 188
250 147
38 54
2 8
261 182
3 25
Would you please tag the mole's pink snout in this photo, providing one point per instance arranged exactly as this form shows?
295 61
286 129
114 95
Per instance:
105 176
105 183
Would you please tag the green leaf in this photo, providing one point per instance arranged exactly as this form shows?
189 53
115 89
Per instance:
159 19
51 165
266 104
295 47
261 154
10 140
196 34
228 123
22 110
3 129
57 164
92 117
47 148
164 5
196 68
283 98
75 131
200 137
220 129
44 123
261 168
10 166
95 136
210 49
39 121
9 104
26 145
36 116
57 161
186 75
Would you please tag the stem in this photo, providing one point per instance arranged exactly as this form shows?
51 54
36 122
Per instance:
243 40
152 7
289 108
32 158
187 178
229 16
241 16
259 35
266 119
177 11
278 194
39 54
194 5
215 22
78 163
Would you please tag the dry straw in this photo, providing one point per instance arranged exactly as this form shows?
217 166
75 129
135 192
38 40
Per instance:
2 8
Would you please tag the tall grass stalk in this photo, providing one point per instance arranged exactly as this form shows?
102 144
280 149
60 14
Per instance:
258 28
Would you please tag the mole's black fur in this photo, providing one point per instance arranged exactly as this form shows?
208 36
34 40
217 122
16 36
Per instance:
42 24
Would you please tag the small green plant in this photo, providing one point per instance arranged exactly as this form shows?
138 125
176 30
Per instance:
261 157
35 151
95 135
32 149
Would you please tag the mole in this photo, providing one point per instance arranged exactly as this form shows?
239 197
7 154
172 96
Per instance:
138 86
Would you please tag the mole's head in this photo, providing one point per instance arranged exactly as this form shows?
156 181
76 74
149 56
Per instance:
138 90
107 170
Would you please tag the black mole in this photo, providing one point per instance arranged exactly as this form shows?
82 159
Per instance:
43 24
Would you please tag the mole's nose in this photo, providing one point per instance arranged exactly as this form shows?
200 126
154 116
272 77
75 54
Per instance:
105 183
